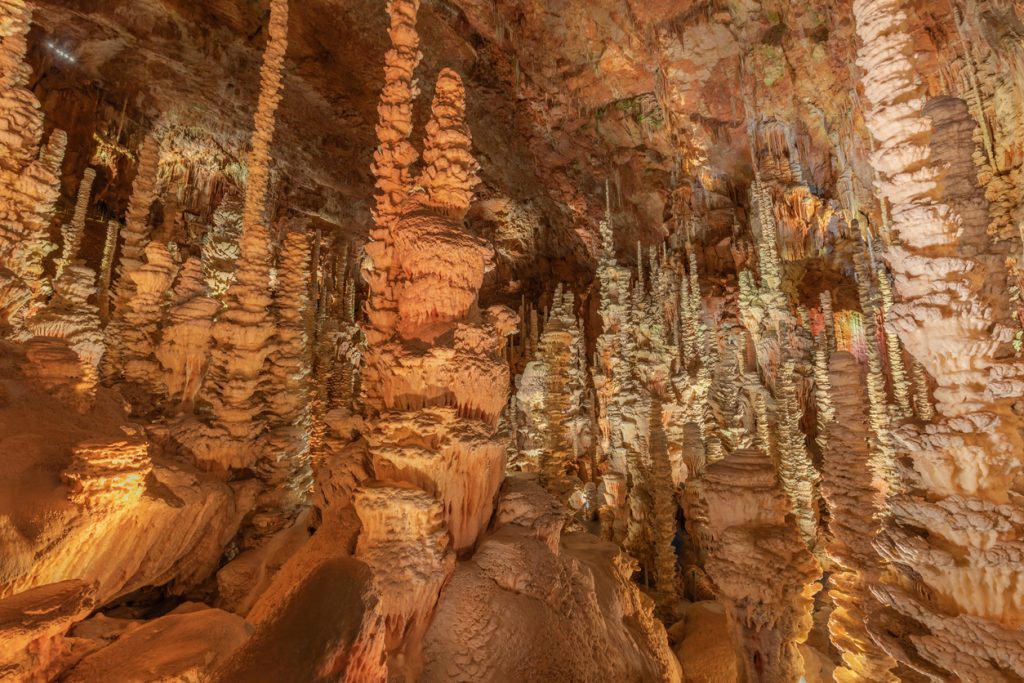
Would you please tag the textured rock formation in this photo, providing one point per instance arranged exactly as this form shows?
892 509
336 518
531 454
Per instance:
72 231
134 238
525 590
855 503
951 607
32 628
29 176
761 568
184 349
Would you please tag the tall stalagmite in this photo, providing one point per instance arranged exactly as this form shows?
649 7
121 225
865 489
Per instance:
29 177
134 238
443 385
243 331
855 503
955 533
71 232
285 471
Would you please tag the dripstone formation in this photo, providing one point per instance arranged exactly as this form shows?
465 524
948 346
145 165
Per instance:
605 340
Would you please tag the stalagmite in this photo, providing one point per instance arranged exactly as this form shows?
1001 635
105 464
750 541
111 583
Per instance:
392 163
761 568
142 314
134 238
443 385
221 247
855 502
107 270
69 315
71 232
894 352
952 605
29 177
286 472
796 472
280 421
184 349
242 333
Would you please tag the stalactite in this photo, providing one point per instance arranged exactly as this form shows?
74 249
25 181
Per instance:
72 231
134 237
855 502
29 177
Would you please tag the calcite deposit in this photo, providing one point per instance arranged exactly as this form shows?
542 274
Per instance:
385 341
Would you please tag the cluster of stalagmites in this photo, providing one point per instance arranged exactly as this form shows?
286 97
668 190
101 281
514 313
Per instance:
875 451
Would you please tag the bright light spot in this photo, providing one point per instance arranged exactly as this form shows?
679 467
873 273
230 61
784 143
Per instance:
61 52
